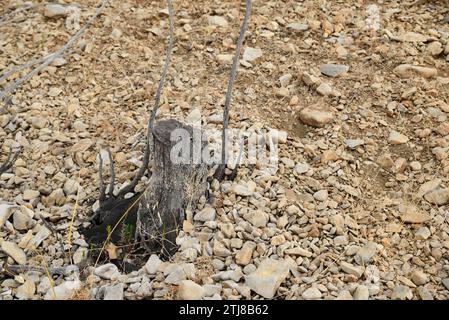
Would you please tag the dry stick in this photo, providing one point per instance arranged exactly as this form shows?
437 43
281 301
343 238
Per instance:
231 81
150 128
50 227
57 54
112 173
102 186
10 161
25 268
7 74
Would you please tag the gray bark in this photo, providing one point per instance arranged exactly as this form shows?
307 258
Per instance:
173 189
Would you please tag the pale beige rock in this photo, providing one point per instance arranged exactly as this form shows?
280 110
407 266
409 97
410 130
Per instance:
13 250
244 255
268 277
315 116
189 290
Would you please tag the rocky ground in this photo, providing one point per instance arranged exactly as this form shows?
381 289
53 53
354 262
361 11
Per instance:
358 207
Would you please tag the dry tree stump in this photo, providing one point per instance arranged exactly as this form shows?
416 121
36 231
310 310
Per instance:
178 181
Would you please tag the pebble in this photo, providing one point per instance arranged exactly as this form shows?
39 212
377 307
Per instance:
194 117
116 34
206 214
423 233
71 187
415 217
13 250
419 278
407 71
366 253
218 21
321 195
252 54
445 283
424 294
241 190
325 89
30 194
344 295
224 58
311 294
244 255
189 290
5 212
114 292
415 166
351 269
64 291
26 291
107 271
55 10
361 293
301 168
316 117
40 236
333 70
257 218
298 251
153 264
439 197
296 26
268 277
22 221
341 240
397 138
401 292
354 143
435 48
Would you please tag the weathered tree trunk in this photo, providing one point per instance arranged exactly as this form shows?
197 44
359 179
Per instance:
173 188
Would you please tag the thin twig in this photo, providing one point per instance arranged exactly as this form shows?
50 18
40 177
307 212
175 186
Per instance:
232 79
25 268
102 186
53 230
112 173
8 73
57 54
150 128
10 161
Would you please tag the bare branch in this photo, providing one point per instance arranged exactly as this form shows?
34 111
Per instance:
150 128
31 63
25 268
10 161
102 186
55 55
231 83
112 173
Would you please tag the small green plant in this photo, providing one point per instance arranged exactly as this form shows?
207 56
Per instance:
129 232
109 230
91 249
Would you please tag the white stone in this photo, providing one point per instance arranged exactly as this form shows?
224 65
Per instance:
268 277
206 214
13 250
153 264
251 54
311 294
108 271
189 290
